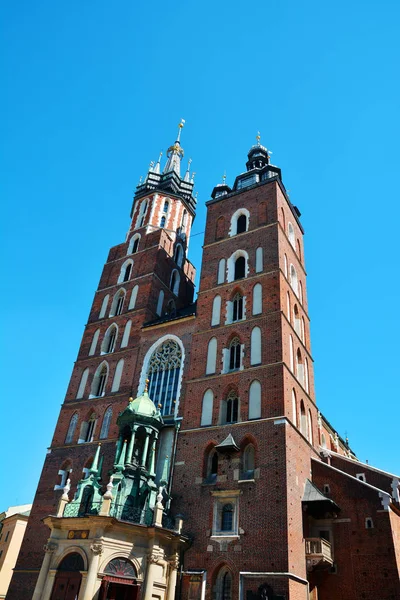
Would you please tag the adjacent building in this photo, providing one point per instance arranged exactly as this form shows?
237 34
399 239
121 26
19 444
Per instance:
189 459
13 523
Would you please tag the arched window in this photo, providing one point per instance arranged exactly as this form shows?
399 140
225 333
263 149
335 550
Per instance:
121 567
175 281
127 332
291 354
323 440
220 228
211 356
291 236
221 271
212 466
285 270
257 299
310 431
303 419
235 352
303 330
184 218
231 409
283 219
142 213
240 268
294 408
241 224
171 308
301 292
255 346
306 376
299 367
223 585
99 381
207 408
93 345
104 306
86 433
117 303
134 244
179 255
297 321
216 311
126 271
164 373
255 400
132 301
160 303
294 282
298 249
106 423
82 385
248 462
259 260
117 376
162 222
239 221
71 429
237 308
227 517
166 207
109 340
288 306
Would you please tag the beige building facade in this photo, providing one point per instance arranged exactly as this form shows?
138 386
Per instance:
13 523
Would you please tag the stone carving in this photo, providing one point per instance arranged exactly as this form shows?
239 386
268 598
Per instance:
96 547
50 547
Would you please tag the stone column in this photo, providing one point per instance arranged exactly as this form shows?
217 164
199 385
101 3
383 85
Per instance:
145 449
130 447
153 457
96 548
152 561
173 564
49 548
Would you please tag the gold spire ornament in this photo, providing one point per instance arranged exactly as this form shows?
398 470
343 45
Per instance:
146 386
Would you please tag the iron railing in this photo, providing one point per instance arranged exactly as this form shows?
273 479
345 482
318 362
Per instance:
132 514
75 509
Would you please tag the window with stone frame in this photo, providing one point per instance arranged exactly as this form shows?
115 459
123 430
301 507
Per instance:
223 585
164 372
225 518
237 308
235 354
230 409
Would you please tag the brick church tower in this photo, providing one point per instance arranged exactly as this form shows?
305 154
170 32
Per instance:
189 460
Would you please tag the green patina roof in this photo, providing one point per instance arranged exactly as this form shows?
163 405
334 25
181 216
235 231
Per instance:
144 406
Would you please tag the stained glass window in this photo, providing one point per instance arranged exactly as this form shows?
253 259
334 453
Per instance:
164 375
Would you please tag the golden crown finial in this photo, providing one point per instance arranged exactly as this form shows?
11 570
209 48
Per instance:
146 386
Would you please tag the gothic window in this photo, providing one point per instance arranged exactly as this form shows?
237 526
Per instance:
294 408
171 308
248 462
235 351
142 214
259 260
223 585
298 249
118 375
104 306
207 408
306 376
291 235
166 207
93 345
255 400
283 219
323 440
297 321
184 219
71 429
212 466
285 269
216 311
134 244
291 354
294 282
255 346
240 267
99 381
221 271
117 304
127 332
301 292
164 374
86 433
82 385
126 271
106 423
175 280
288 305
239 221
300 368
237 308
160 303
303 419
262 213
230 409
132 301
110 338
211 363
162 222
179 255
257 299
310 431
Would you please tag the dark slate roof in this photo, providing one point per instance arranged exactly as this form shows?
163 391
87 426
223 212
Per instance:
312 495
228 444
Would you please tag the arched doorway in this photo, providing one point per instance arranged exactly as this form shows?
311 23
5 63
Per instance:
119 581
68 578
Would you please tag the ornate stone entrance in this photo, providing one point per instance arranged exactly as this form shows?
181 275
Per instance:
68 579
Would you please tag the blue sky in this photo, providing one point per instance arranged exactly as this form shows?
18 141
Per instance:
92 91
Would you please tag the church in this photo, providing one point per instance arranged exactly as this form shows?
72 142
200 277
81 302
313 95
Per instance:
190 460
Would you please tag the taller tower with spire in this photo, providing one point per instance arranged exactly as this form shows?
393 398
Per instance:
189 460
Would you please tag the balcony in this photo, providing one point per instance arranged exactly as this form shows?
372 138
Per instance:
318 553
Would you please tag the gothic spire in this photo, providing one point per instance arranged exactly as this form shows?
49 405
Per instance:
175 154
